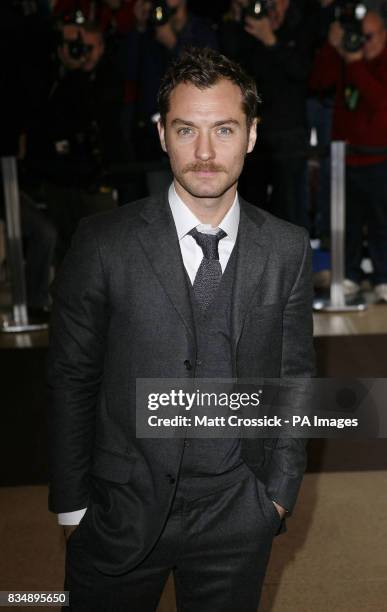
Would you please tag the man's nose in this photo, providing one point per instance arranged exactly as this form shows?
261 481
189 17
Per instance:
204 147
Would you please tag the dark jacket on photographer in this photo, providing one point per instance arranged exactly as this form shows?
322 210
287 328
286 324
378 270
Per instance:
76 132
147 62
281 72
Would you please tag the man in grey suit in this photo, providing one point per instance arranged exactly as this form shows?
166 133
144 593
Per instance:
193 284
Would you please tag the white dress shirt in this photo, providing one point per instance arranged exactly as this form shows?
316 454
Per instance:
192 255
185 221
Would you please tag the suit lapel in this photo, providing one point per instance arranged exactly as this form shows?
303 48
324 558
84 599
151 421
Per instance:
159 240
252 253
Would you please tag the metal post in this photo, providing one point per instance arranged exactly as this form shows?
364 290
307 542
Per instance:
337 223
15 251
337 300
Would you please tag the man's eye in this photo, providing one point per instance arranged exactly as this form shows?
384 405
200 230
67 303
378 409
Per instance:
224 131
184 131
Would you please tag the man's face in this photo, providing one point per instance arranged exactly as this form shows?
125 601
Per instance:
375 33
206 138
93 41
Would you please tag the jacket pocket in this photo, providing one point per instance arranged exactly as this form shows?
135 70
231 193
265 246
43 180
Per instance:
269 510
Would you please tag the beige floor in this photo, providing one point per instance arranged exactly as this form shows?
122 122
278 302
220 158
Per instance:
370 321
333 558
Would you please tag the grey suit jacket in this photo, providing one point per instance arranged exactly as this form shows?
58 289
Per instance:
122 311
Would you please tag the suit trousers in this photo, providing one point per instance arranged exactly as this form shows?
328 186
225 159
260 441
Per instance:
216 542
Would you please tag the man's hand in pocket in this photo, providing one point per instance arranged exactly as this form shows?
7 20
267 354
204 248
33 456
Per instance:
68 530
281 511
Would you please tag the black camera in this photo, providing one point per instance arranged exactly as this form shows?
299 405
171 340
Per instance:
258 10
161 13
350 15
77 48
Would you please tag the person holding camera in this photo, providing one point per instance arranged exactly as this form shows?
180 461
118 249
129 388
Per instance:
163 30
72 129
358 72
76 111
80 48
275 41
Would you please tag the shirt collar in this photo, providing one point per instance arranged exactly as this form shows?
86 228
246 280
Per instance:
185 220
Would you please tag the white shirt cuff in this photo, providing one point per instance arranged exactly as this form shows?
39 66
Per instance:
71 518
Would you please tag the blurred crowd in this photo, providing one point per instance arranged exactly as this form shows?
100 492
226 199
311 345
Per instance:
80 111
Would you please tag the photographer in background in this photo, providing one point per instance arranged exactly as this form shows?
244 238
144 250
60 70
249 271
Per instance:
80 48
275 46
78 125
75 136
359 74
163 30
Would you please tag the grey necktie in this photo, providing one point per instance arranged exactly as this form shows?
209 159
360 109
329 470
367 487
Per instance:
209 274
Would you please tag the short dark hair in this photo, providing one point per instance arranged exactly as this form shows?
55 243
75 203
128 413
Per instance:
204 68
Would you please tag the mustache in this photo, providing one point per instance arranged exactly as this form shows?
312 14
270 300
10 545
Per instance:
200 167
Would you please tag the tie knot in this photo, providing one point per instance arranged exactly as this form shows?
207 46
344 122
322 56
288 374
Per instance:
208 242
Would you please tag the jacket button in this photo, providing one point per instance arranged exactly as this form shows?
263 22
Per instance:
188 364
171 479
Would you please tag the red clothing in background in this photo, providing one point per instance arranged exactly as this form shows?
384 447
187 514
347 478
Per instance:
366 125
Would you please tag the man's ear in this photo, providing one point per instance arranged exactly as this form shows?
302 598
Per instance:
252 136
161 129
